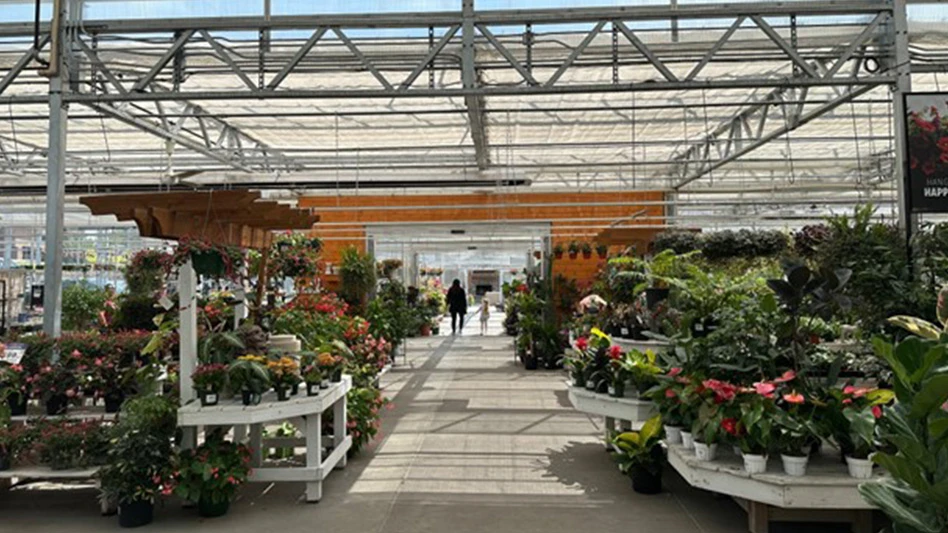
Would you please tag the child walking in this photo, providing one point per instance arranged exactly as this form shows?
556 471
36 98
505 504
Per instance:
485 315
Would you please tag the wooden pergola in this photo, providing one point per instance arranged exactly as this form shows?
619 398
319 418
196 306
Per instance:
236 218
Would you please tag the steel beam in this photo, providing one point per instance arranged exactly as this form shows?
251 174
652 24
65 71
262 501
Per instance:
474 104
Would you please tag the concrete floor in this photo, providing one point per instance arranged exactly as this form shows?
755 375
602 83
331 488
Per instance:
473 444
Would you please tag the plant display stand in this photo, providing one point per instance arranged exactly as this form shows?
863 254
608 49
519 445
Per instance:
629 413
826 494
308 409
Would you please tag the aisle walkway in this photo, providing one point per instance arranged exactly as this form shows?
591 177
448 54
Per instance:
474 444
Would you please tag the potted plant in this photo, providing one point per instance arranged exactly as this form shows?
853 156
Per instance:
576 362
793 434
331 365
618 372
139 458
557 251
667 397
208 259
754 432
862 429
248 375
602 250
706 430
57 386
587 249
573 249
110 379
14 439
641 369
13 388
313 376
211 474
640 456
209 382
284 375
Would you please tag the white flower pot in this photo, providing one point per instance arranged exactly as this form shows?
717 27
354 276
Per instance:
687 440
706 452
859 468
794 466
755 464
673 434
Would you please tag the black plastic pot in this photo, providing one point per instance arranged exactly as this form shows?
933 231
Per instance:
57 405
209 264
250 398
113 401
295 389
617 390
655 295
208 398
337 376
644 481
209 509
136 514
531 363
17 403
312 389
282 394
4 462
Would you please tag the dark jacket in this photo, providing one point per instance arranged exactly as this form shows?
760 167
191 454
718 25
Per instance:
457 300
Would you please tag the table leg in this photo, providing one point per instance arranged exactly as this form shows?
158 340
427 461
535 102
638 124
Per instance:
339 430
188 438
758 517
862 522
625 425
610 426
256 444
314 454
240 433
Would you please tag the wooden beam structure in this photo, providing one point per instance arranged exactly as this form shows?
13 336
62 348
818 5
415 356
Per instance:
236 217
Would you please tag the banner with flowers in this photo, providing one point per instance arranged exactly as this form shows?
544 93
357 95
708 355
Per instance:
927 145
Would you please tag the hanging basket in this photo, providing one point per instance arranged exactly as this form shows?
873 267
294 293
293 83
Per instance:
208 263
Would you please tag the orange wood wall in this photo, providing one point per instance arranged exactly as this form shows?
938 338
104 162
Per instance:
515 206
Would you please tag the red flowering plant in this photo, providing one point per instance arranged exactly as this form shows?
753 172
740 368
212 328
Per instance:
210 378
55 380
364 415
717 404
207 258
794 420
578 360
212 472
754 430
668 394
295 255
13 382
108 377
847 417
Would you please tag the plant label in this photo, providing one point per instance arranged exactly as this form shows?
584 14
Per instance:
13 353
211 398
625 331
165 302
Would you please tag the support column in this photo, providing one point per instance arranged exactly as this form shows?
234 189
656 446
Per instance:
8 248
188 342
903 84
55 179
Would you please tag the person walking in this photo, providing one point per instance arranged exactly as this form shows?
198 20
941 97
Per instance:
457 305
485 315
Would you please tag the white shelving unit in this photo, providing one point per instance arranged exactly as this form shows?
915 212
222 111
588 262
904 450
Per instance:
826 494
628 412
305 411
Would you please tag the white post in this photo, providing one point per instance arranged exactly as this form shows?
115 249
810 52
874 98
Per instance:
188 338
903 84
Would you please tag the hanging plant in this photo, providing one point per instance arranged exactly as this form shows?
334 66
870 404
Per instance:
144 271
558 251
602 250
387 268
573 249
295 255
208 259
587 249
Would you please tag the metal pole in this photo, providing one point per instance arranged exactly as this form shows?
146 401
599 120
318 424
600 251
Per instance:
55 184
903 84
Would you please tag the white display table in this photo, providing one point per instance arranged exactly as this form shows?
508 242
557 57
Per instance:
629 412
642 346
306 411
826 494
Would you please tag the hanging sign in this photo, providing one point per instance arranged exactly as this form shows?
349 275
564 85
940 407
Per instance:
13 353
926 161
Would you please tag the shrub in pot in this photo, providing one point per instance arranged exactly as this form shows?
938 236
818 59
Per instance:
602 250
640 456
331 366
64 444
586 249
111 379
209 382
57 386
14 389
617 372
755 432
139 460
558 250
667 397
248 375
573 249
210 474
706 431
313 377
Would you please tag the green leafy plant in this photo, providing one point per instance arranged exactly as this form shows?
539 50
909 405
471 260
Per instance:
249 373
211 378
573 247
357 273
641 449
212 472
915 428
82 303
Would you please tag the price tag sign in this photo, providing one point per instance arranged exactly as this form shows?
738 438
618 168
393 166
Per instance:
625 331
13 353
165 302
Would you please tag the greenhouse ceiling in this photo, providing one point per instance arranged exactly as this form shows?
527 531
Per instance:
745 113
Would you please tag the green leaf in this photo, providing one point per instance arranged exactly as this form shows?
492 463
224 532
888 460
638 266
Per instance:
903 505
916 326
652 428
933 394
903 469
